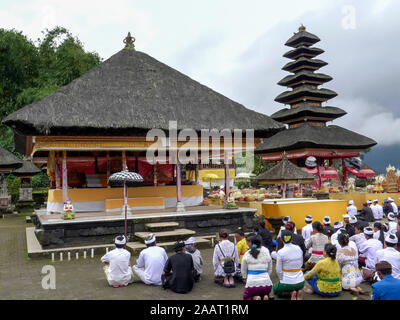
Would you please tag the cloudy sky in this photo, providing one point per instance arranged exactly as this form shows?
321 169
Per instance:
236 48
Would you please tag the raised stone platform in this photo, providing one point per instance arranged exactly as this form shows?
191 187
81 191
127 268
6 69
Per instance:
90 229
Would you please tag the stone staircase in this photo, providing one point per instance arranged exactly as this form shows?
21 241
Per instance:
167 233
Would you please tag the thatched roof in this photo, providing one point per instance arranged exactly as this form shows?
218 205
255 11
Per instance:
130 93
305 91
27 169
307 110
285 171
303 61
304 75
314 136
303 50
8 160
302 36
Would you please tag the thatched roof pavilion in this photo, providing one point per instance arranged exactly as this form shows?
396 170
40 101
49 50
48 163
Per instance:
8 161
27 170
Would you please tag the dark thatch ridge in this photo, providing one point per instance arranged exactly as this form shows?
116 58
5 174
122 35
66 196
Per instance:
304 75
305 91
8 160
306 110
130 93
314 136
285 170
303 61
302 36
310 51
28 168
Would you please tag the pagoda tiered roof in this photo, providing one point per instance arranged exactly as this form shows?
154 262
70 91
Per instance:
302 38
304 63
304 76
307 110
305 93
303 51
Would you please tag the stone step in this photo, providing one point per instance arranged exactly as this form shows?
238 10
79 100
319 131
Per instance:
135 247
161 226
165 236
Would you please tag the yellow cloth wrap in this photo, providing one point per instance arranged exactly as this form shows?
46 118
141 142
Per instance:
242 248
326 269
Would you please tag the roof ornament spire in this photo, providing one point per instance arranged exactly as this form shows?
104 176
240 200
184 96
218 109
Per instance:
129 42
302 28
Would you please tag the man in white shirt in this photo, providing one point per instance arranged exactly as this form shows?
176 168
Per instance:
369 248
289 261
117 269
394 206
375 210
390 254
351 209
392 222
307 229
379 209
359 237
150 264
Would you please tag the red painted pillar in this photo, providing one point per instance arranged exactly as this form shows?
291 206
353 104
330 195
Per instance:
344 170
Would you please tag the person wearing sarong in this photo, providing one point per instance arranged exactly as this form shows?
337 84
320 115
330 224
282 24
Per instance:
368 249
241 244
196 255
225 249
289 261
256 267
317 243
117 269
348 261
390 254
325 277
150 263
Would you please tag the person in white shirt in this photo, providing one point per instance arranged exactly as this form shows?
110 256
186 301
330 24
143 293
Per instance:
284 221
394 206
375 210
369 248
289 261
117 269
390 254
351 209
307 229
392 221
150 264
379 209
338 225
359 237
196 256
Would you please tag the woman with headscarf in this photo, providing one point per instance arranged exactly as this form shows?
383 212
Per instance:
325 277
348 261
317 242
256 267
289 262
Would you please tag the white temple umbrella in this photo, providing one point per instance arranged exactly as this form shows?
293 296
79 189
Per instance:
126 179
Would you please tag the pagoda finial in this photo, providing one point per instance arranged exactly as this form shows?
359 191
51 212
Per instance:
302 28
129 42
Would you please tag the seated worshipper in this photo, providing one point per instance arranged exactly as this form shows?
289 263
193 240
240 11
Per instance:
328 229
348 261
390 254
387 207
337 226
389 287
358 237
366 213
379 232
394 206
377 210
351 244
150 264
351 209
117 269
225 251
307 229
256 267
178 274
289 262
392 221
317 243
284 221
325 277
349 224
368 249
296 239
196 255
266 236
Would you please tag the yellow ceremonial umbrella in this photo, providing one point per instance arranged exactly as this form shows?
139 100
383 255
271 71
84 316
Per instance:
210 177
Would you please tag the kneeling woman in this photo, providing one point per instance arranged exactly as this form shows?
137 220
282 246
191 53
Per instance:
256 267
324 278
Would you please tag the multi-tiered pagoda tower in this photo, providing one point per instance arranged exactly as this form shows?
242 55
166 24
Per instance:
308 133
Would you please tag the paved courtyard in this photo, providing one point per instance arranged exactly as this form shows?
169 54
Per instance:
83 279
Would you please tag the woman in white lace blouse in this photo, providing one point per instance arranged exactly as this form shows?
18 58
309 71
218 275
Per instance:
256 268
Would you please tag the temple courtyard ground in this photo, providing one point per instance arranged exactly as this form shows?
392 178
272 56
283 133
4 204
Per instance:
83 279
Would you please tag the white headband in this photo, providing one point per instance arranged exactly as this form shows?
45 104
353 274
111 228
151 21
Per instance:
353 220
368 231
122 242
391 238
338 224
150 239
391 216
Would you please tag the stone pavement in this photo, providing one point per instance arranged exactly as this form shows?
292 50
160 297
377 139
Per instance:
83 279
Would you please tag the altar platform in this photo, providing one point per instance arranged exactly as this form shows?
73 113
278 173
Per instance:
93 228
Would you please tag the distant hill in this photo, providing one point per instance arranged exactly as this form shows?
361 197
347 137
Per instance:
381 156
